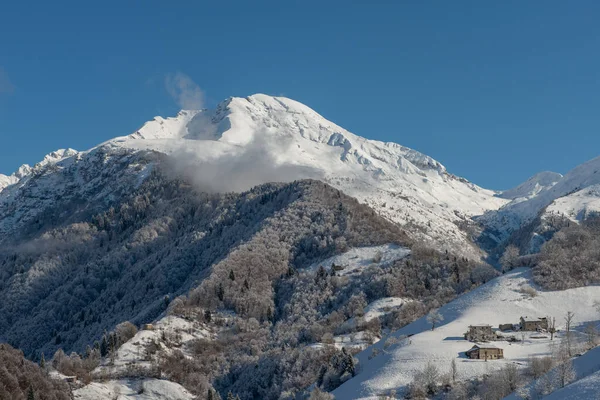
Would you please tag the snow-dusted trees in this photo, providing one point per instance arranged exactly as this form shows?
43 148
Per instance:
564 372
510 258
425 382
571 258
125 331
318 394
434 317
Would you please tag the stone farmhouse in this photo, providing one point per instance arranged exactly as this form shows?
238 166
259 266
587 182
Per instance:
485 352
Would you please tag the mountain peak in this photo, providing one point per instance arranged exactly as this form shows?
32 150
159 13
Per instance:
533 186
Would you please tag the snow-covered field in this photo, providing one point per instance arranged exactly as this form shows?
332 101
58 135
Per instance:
498 301
355 260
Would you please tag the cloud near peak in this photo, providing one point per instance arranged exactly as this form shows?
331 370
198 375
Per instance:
184 91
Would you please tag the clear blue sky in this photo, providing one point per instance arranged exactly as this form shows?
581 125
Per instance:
495 90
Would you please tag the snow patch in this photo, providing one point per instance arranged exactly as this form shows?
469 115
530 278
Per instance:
357 259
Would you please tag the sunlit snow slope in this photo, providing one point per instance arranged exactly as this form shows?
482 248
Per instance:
498 301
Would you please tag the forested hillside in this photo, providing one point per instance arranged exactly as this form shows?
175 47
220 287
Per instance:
64 287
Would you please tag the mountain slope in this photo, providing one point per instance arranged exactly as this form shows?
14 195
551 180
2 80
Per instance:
99 269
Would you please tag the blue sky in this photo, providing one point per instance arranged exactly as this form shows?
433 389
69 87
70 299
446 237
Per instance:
496 91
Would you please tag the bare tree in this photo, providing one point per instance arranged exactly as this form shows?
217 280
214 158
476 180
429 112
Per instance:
568 322
434 317
551 326
565 373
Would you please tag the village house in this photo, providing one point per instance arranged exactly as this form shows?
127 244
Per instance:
480 333
148 327
485 352
506 327
533 323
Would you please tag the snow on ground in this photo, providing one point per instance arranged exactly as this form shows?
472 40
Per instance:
146 389
587 375
586 388
355 260
383 306
498 301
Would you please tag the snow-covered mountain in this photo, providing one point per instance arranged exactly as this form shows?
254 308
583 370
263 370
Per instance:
248 141
252 140
573 196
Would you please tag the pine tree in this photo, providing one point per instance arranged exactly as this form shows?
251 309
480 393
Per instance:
103 347
30 395
43 362
220 292
207 316
230 396
231 275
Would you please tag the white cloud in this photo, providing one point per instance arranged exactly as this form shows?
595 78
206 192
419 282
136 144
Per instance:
252 165
6 85
186 93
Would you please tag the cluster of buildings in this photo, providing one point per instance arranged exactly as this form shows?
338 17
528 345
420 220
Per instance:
484 333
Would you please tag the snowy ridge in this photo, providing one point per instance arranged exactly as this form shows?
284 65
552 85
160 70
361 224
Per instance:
25 170
97 176
501 223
